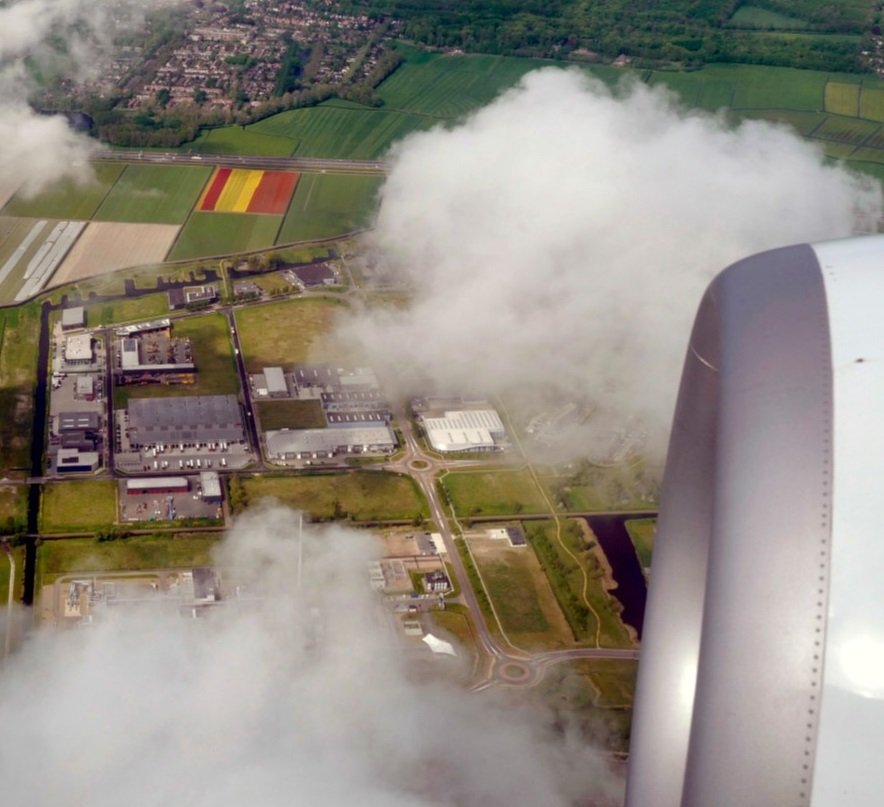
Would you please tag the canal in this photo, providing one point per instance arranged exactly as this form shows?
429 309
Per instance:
631 591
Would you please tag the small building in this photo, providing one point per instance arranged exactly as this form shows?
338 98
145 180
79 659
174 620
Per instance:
157 484
274 380
210 483
72 460
437 582
85 387
72 318
205 585
192 295
78 349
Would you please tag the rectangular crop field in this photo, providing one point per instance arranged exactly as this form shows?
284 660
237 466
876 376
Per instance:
360 495
842 98
339 129
66 199
288 332
156 194
19 334
78 505
871 104
492 493
290 415
72 555
236 140
210 234
845 130
326 205
237 190
150 306
212 354
106 246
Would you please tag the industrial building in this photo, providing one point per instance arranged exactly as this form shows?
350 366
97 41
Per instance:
84 387
189 421
192 295
78 421
271 383
73 460
72 318
210 484
326 378
78 349
299 444
157 484
465 430
154 355
437 582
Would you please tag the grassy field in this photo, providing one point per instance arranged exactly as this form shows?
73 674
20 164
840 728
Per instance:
761 18
13 507
871 103
18 555
491 493
842 98
567 580
212 353
224 234
137 553
307 324
641 532
360 495
241 140
341 129
66 199
160 194
78 506
129 310
290 415
19 334
326 205
845 130
592 488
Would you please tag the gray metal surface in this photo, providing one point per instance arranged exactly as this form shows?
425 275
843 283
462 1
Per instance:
730 670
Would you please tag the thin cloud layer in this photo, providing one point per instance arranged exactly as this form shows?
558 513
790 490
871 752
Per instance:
559 240
261 705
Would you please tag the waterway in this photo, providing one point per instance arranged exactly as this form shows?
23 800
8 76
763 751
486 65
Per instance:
631 591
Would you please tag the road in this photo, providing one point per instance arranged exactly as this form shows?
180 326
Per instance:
308 164
251 425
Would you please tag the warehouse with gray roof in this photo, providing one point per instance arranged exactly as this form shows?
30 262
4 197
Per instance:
299 444
193 420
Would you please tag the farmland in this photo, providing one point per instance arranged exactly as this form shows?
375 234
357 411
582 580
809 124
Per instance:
237 190
287 332
129 310
19 329
78 506
224 234
475 493
107 246
327 204
359 495
157 194
66 199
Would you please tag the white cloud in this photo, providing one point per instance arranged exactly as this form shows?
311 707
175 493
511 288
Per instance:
562 237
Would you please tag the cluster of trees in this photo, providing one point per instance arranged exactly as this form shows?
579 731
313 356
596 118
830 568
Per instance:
654 32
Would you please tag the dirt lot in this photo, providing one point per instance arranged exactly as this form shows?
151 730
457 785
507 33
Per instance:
106 246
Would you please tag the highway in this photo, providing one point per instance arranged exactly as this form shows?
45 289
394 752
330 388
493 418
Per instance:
303 164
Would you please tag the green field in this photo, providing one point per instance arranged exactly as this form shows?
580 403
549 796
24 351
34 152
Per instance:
307 325
137 553
762 18
78 505
18 555
66 199
842 98
290 415
871 103
493 493
326 205
13 507
133 309
641 531
845 130
160 194
224 234
212 353
19 334
360 495
340 129
241 140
